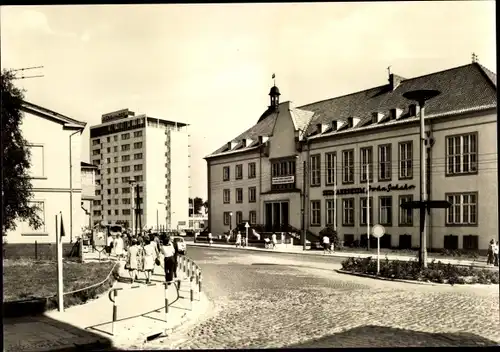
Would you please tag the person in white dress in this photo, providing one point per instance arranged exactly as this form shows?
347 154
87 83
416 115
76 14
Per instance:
119 246
210 239
238 239
149 256
274 240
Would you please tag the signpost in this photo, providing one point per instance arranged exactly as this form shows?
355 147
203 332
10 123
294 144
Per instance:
377 232
59 234
425 206
246 230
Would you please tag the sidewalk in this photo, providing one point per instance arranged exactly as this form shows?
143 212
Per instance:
298 249
140 313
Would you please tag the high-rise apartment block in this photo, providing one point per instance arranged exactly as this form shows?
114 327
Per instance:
140 150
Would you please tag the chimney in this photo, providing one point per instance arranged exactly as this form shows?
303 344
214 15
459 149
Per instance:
334 125
394 81
377 117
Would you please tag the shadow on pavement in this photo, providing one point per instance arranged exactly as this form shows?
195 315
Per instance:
41 333
381 336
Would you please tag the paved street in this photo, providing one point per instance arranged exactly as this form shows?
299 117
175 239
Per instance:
265 300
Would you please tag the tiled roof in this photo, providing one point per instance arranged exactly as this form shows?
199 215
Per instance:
464 88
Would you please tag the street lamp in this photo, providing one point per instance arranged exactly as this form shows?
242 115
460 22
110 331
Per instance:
132 184
421 96
71 186
230 222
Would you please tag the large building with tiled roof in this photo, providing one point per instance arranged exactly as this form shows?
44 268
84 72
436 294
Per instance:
310 166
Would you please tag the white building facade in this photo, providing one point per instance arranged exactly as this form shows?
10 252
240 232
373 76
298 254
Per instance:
152 153
310 167
55 145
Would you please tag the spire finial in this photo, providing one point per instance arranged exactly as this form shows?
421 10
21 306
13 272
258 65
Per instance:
274 79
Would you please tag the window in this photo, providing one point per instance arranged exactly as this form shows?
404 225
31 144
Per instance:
405 215
227 196
227 218
252 194
126 211
126 168
109 201
330 211
385 210
405 160
125 179
126 190
108 170
96 142
463 210
138 178
384 160
330 168
315 213
109 211
125 136
115 159
253 217
251 170
239 217
137 145
366 211
117 212
108 150
138 167
26 229
108 160
137 156
115 149
470 242
239 172
126 201
115 169
226 173
239 195
108 181
125 147
138 134
108 139
97 192
108 191
125 157
117 190
96 202
366 156
96 152
97 213
115 138
37 167
283 174
348 166
461 154
315 170
348 212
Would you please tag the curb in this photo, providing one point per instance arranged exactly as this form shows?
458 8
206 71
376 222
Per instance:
345 272
336 254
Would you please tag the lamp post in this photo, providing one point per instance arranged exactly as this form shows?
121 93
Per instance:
421 96
230 222
132 208
71 186
157 225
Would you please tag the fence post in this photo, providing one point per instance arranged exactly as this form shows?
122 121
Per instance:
199 282
166 301
188 271
191 293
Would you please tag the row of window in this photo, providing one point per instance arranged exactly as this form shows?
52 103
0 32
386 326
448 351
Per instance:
226 174
124 136
125 201
116 212
461 158
126 168
252 195
463 211
252 218
137 156
125 190
124 148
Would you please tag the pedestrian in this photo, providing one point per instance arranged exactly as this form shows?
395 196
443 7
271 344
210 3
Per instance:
176 258
168 252
326 244
210 239
267 242
119 246
274 240
238 239
109 244
132 260
149 257
490 255
495 254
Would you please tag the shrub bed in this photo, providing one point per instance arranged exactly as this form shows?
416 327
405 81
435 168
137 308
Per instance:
40 251
410 270
30 287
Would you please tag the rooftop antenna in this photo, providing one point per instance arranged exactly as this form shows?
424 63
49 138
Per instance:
24 69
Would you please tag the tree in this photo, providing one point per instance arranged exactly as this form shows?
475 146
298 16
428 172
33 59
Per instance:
197 203
16 184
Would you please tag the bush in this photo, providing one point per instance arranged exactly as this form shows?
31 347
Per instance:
410 270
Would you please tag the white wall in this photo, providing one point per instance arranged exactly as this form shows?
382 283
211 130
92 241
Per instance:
179 179
52 183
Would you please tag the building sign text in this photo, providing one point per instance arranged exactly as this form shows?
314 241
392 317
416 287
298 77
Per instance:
283 180
360 190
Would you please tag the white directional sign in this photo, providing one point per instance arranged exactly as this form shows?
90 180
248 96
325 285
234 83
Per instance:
378 231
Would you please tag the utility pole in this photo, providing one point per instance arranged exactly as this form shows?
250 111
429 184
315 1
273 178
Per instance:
304 184
335 192
368 206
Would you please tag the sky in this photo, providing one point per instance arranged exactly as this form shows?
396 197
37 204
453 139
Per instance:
211 65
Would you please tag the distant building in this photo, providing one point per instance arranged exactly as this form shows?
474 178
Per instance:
55 144
372 134
89 172
149 151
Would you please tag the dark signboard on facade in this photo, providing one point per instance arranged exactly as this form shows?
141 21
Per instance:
362 190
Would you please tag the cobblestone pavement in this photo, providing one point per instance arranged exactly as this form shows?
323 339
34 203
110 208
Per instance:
263 302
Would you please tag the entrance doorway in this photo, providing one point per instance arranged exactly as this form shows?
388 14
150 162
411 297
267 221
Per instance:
276 216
